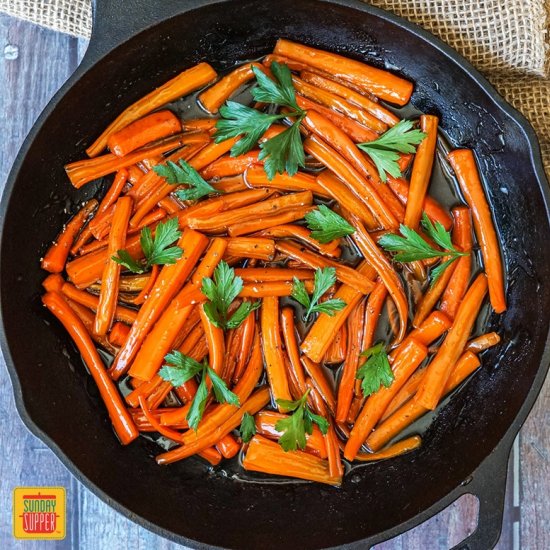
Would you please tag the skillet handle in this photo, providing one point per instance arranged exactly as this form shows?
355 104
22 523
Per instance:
489 486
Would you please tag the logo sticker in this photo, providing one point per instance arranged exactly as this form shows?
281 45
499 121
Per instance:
39 513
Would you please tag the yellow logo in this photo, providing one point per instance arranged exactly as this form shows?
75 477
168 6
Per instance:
39 513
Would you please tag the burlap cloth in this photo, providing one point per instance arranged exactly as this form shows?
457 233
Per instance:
505 39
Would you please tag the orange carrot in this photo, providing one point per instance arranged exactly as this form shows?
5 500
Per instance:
336 352
271 288
404 394
215 341
320 382
291 345
53 282
265 274
230 184
483 342
120 417
265 222
230 166
119 333
251 247
247 329
372 313
464 165
439 369
399 448
256 177
228 446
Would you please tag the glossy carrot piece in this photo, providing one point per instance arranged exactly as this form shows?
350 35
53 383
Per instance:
186 82
465 168
120 417
215 341
271 288
53 282
111 272
119 333
251 247
382 84
55 258
145 291
483 342
246 332
412 410
169 281
336 352
230 184
320 382
273 349
439 369
265 222
228 446
404 394
268 457
230 166
291 345
406 359
421 171
150 128
397 449
266 274
375 302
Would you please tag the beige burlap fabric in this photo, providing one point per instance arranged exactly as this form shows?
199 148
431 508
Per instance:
505 39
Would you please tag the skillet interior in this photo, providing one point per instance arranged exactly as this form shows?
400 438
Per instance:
183 499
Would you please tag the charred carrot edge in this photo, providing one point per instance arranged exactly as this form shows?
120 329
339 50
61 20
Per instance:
186 82
265 222
255 176
406 359
355 328
465 168
120 417
228 446
230 166
439 369
111 272
421 171
55 258
397 449
272 348
118 334
382 84
458 284
483 342
150 128
292 349
216 95
411 410
268 457
169 281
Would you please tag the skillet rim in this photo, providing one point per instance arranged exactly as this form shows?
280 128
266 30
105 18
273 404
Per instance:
95 55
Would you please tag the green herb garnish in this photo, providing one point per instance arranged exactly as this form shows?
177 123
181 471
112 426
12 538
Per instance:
375 371
248 427
326 225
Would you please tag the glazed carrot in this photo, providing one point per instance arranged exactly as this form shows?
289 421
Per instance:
399 448
352 277
361 187
251 247
199 125
246 332
230 184
267 274
216 95
464 166
404 394
267 420
483 342
382 84
412 410
336 102
53 282
421 171
228 446
119 333
355 328
268 457
55 258
120 417
150 128
265 222
439 369
406 359
230 166
169 281
144 293
272 348
271 288
111 272
458 284
362 101
135 173
255 176
124 314
216 342
431 328
186 82
375 302
336 352
84 171
291 346
321 382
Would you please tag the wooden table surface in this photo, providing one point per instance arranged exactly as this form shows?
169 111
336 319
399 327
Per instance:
34 63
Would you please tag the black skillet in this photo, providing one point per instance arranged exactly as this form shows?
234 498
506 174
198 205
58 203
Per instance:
141 43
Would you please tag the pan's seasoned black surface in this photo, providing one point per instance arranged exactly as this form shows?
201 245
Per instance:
180 501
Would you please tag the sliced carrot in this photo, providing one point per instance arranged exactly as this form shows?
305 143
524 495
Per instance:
119 333
228 446
397 449
483 342
230 166
292 349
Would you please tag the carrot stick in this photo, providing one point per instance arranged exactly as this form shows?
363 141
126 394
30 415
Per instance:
55 258
230 166
268 457
344 274
464 165
150 128
399 448
251 247
271 288
119 333
372 313
169 281
186 82
265 222
199 125
53 282
404 394
255 176
405 361
230 184
228 446
362 101
216 342
246 332
111 272
120 417
361 187
382 84
355 325
291 346
439 369
483 342
336 353
266 274
144 293
412 410
320 382
272 348
216 95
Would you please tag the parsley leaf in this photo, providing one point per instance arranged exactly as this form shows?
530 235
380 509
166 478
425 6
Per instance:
326 225
295 427
375 371
180 368
221 391
279 92
284 152
248 427
157 249
198 405
184 173
221 291
385 150
324 279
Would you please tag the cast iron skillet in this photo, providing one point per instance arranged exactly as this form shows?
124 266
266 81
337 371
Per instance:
465 450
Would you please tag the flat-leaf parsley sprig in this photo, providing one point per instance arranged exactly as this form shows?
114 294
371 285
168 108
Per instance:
375 371
285 151
326 225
